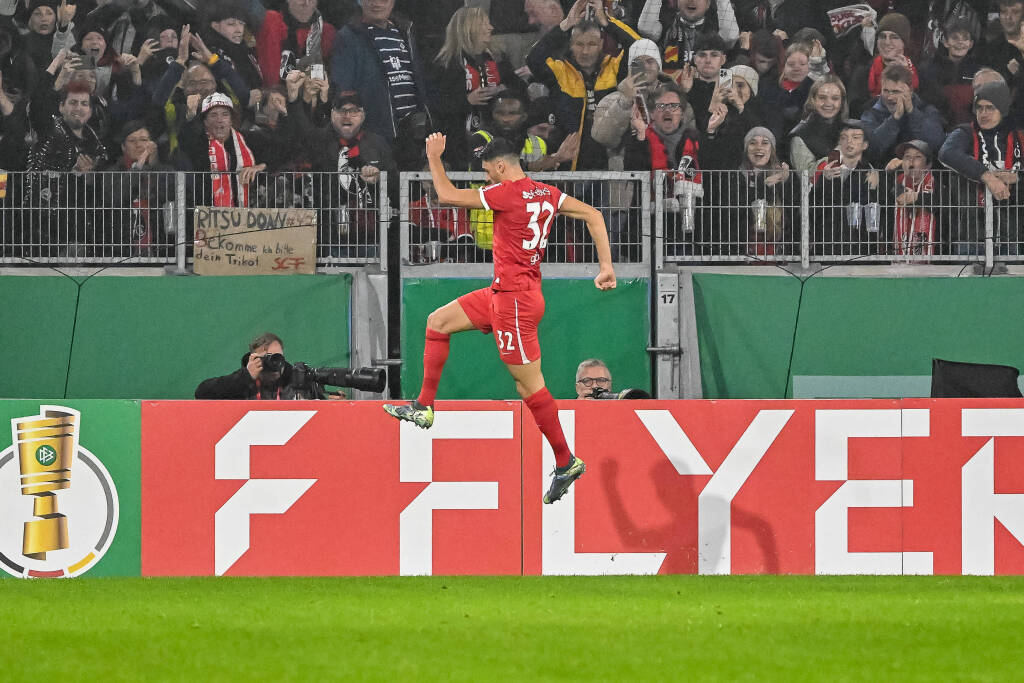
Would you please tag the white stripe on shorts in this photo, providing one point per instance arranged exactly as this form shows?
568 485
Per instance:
519 337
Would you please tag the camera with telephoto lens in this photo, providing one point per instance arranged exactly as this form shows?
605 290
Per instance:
301 377
604 394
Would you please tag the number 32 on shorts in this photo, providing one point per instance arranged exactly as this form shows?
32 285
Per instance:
540 233
504 340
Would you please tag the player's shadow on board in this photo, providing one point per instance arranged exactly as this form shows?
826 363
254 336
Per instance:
679 538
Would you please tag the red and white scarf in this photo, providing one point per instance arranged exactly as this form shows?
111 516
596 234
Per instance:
227 191
914 230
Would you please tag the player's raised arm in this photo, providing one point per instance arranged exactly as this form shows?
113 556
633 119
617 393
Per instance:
574 208
446 192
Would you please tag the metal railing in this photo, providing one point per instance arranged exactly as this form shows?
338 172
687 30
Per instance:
714 217
868 216
147 217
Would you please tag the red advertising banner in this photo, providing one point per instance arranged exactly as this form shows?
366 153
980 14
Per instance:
329 488
712 487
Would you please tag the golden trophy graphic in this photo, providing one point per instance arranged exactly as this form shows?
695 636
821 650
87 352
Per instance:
46 445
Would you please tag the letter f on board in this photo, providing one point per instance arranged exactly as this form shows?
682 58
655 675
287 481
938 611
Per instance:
256 496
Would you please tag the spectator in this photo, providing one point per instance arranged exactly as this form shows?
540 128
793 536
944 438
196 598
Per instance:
783 17
952 70
824 113
354 158
13 128
784 101
679 35
180 91
580 80
866 82
914 195
544 15
16 67
508 119
134 203
42 23
391 92
266 137
734 111
761 219
661 145
1006 52
295 38
988 151
224 32
592 375
844 199
69 144
211 144
467 77
764 51
699 80
899 115
126 23
116 76
614 111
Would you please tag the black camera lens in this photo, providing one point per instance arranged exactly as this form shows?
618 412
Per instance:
273 362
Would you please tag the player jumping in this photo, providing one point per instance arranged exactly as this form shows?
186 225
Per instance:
513 305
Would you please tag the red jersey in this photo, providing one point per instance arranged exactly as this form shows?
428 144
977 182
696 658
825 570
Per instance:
523 212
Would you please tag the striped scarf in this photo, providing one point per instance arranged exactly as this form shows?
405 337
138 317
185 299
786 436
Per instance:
227 191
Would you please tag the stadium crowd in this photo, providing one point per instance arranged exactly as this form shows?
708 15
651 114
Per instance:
733 96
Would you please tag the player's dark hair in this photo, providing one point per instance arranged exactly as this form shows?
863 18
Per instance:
498 148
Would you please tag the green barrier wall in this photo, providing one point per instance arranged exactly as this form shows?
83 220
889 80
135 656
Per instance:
110 431
158 337
849 327
579 322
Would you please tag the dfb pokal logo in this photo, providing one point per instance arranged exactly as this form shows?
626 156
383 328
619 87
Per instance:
58 503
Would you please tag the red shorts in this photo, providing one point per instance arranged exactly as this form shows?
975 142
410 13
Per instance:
512 316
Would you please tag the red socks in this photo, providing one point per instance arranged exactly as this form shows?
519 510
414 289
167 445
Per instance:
546 415
435 353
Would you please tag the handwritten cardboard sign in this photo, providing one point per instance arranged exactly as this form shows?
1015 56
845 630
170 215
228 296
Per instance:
232 241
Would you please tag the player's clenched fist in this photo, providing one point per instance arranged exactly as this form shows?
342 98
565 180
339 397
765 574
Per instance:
605 279
435 145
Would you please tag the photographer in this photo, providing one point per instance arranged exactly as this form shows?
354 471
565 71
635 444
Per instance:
254 381
592 375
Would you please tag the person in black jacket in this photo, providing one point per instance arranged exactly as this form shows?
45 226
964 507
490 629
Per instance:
254 381
466 78
349 159
61 163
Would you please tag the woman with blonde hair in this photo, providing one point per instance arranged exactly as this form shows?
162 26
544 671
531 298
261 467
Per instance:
818 133
467 77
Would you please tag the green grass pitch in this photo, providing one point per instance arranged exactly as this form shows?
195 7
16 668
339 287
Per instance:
677 628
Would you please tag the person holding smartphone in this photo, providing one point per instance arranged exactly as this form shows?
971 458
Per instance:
845 187
818 133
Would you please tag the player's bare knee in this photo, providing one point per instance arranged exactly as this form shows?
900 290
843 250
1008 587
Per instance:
436 321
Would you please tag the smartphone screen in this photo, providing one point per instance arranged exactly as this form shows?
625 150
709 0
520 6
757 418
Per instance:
316 72
87 62
834 156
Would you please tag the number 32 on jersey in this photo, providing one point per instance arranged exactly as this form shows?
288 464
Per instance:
540 232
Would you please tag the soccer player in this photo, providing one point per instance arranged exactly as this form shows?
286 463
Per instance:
513 305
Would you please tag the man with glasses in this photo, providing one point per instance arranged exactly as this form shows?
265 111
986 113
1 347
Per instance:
353 155
590 375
